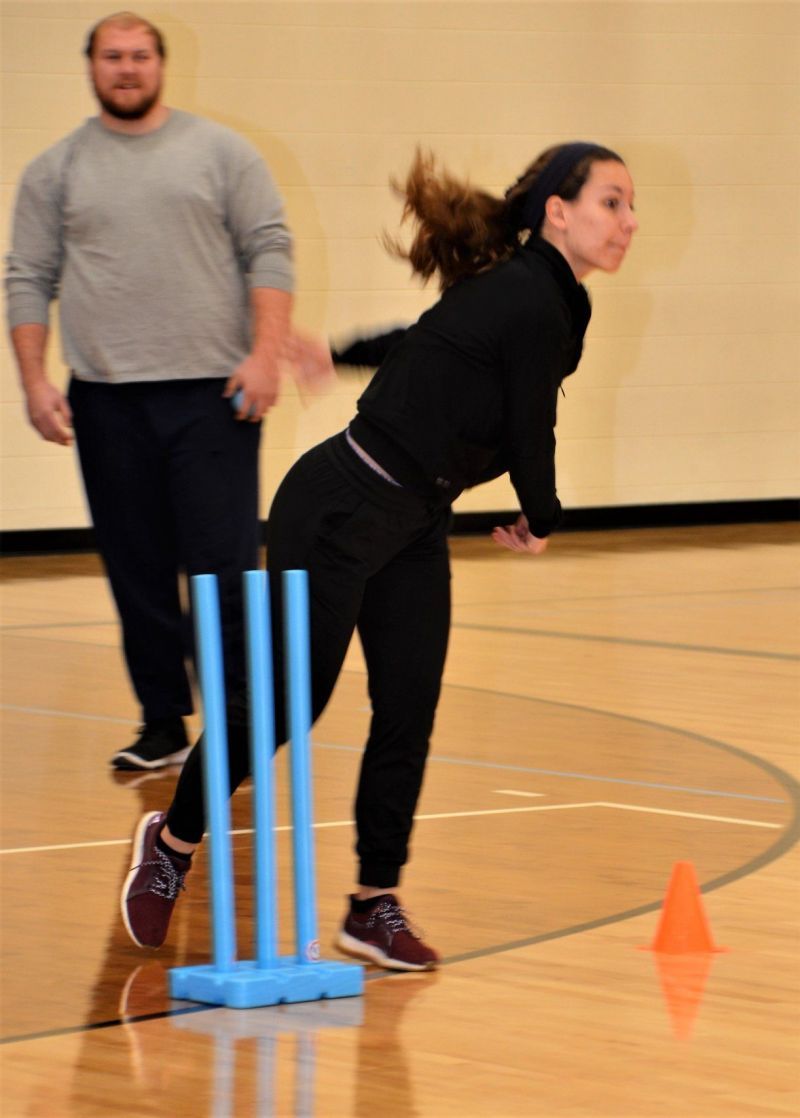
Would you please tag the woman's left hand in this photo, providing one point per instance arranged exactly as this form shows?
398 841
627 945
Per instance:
517 537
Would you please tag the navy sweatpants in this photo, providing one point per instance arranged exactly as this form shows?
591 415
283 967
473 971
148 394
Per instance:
378 561
171 478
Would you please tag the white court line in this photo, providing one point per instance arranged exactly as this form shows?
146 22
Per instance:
650 810
499 811
692 815
438 815
515 792
65 846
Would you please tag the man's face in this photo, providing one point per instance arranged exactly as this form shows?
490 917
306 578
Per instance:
126 71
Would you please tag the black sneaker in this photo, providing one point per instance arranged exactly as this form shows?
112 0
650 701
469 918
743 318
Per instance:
384 936
160 743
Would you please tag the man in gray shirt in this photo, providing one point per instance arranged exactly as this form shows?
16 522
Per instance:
163 237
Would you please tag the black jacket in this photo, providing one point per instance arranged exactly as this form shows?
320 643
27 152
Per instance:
470 390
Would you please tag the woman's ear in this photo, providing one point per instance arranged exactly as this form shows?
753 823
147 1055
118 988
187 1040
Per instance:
554 211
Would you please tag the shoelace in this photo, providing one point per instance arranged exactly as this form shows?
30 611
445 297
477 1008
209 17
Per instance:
393 916
167 882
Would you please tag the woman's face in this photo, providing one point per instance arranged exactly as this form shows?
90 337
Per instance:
595 229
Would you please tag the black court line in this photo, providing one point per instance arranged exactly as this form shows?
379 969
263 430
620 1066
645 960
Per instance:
636 642
540 605
547 634
781 846
532 603
93 1026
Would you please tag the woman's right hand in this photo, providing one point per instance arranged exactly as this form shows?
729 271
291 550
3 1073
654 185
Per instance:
518 537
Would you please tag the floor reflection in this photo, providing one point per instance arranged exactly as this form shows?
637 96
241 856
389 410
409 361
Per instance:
270 1036
283 1060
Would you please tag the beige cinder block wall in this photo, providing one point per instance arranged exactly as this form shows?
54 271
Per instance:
688 390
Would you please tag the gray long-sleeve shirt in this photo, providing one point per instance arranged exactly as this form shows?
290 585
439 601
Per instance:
150 243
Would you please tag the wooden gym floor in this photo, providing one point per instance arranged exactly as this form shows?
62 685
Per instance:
628 701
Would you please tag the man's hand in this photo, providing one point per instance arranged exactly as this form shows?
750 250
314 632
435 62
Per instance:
517 537
306 358
49 412
259 382
258 377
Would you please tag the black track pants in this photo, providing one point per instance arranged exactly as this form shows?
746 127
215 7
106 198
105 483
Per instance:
378 561
172 483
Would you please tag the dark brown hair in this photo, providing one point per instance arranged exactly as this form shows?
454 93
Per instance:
461 230
127 21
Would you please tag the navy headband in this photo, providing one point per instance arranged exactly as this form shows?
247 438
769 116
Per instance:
549 181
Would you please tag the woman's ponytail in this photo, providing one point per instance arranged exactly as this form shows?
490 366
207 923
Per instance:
461 231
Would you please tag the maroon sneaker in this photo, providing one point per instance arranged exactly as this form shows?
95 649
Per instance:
384 936
153 884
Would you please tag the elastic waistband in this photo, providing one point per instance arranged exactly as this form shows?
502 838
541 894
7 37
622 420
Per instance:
365 458
372 485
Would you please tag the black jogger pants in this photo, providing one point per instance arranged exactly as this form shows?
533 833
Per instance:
378 561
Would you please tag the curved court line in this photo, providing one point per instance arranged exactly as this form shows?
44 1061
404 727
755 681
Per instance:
569 775
781 846
780 776
785 779
788 838
437 759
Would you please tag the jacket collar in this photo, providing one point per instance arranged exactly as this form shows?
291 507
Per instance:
575 294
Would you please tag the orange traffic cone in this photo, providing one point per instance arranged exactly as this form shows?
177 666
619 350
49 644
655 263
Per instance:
683 928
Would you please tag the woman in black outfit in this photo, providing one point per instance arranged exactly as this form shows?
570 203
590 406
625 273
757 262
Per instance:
464 395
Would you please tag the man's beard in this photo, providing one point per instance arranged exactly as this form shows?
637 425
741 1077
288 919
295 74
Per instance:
135 112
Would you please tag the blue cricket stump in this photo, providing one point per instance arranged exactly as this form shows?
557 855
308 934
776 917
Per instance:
268 979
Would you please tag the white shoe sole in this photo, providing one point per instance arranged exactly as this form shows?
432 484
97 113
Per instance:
360 950
137 851
132 761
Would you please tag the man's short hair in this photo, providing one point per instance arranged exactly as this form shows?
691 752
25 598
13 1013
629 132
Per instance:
126 21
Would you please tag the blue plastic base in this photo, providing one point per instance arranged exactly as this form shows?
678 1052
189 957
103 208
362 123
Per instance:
246 986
